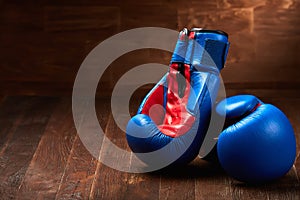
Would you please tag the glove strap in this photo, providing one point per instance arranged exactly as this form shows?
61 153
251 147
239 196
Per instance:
207 49
181 47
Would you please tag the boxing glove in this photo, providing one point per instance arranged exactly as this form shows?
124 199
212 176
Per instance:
258 143
174 116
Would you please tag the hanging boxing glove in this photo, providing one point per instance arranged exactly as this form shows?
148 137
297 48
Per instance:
173 118
258 143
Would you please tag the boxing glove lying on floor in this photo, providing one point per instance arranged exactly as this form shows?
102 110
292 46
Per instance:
173 118
258 143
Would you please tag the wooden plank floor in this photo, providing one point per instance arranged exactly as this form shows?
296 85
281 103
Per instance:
42 157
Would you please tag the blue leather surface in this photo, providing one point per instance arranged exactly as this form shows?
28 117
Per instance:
187 146
237 106
216 53
259 147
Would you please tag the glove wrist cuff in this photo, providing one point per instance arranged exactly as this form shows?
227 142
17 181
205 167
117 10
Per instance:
201 48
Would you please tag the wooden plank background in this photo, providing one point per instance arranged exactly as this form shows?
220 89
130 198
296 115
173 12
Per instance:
42 157
42 43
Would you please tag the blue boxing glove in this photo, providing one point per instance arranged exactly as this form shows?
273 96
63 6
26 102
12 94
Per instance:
258 143
173 118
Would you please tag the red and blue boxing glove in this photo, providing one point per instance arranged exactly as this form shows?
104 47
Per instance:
173 118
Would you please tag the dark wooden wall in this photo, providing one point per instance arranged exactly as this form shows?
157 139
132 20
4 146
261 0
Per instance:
42 43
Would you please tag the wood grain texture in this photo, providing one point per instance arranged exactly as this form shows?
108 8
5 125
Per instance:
47 166
22 145
16 17
43 43
239 3
79 173
211 182
142 185
150 15
178 183
242 49
83 3
106 3
110 183
284 13
12 110
113 184
129 61
58 60
42 158
231 20
69 18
